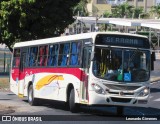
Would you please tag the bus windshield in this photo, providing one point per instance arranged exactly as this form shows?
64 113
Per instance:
121 65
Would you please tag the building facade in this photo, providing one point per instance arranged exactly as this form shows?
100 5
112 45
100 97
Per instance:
157 2
98 7
145 4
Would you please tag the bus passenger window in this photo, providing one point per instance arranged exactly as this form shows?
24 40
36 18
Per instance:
16 59
75 54
53 55
63 54
33 56
42 58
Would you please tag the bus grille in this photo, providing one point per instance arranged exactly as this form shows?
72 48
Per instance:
121 87
117 93
122 100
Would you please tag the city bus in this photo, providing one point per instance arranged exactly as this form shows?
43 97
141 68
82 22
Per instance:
97 68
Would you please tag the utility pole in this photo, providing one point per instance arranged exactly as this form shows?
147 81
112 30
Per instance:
4 60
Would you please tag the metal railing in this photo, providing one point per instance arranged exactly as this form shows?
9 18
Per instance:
5 61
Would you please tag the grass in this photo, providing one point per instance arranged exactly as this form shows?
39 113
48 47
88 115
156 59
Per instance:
4 82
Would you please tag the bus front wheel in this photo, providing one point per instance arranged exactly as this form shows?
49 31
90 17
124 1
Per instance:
72 105
32 101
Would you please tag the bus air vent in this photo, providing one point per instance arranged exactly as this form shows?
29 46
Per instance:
122 100
121 87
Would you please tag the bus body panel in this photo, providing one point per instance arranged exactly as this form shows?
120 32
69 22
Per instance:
49 85
52 82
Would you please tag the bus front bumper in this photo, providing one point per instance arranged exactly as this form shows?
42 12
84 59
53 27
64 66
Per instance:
100 99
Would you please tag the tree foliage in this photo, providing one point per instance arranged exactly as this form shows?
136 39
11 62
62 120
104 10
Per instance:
22 20
155 10
81 8
122 11
137 12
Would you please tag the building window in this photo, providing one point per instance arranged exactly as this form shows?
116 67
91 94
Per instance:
101 1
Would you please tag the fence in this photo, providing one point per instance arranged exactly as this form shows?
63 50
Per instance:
5 61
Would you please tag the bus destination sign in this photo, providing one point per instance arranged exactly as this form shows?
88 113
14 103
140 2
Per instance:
122 40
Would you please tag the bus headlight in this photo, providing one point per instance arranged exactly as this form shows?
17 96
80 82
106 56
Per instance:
144 92
98 89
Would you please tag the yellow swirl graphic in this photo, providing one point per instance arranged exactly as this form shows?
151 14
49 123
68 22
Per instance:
47 80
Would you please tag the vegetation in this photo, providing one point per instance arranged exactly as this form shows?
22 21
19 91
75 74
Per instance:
156 11
81 8
4 83
122 11
22 20
137 11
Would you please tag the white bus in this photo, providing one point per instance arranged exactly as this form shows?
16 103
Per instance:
98 68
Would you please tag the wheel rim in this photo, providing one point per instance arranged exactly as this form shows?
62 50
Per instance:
30 96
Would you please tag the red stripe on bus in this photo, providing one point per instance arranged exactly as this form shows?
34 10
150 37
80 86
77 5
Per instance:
30 71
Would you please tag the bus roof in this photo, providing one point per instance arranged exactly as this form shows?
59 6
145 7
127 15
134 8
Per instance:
69 38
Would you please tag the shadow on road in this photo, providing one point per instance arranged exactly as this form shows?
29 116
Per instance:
108 111
155 90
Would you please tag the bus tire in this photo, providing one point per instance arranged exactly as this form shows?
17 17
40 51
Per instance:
72 105
32 101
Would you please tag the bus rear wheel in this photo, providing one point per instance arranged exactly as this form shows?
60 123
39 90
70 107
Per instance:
72 105
32 101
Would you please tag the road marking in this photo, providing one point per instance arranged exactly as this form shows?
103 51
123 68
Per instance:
157 99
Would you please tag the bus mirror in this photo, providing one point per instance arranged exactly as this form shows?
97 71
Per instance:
153 58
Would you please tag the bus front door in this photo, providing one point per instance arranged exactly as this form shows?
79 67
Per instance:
21 82
85 75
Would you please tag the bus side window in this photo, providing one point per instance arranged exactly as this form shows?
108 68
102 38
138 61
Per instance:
63 54
16 58
53 55
33 56
75 54
42 58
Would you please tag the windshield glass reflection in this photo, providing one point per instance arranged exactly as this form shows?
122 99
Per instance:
122 65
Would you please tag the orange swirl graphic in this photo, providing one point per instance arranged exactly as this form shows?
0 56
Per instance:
47 80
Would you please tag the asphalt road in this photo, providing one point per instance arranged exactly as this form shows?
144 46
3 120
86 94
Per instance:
56 111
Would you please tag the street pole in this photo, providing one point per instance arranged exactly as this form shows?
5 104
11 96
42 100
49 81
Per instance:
4 61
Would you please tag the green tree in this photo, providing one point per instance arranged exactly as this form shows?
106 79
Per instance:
155 10
122 11
22 20
81 8
137 11
104 27
107 14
